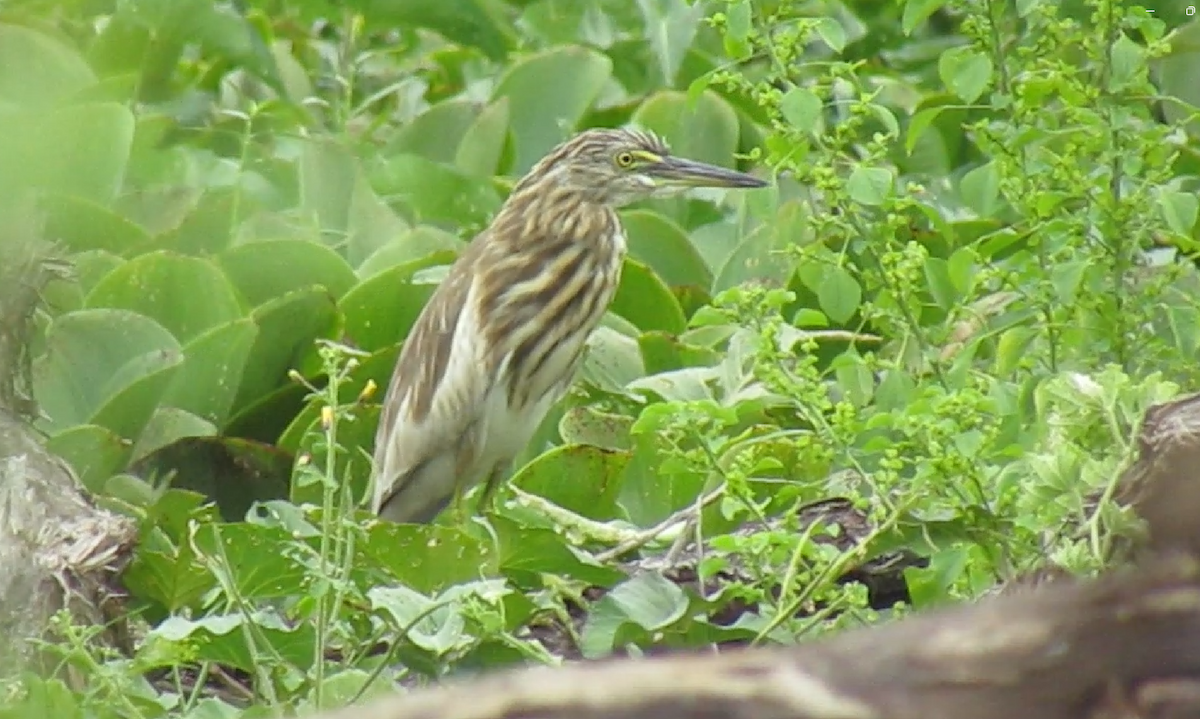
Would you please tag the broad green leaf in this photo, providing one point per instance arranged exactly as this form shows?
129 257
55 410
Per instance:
966 72
870 185
670 27
476 23
264 270
166 288
207 227
611 361
428 557
222 639
433 192
416 244
832 32
548 95
214 361
594 476
436 133
83 225
1176 77
646 301
169 425
920 122
80 150
482 144
980 189
328 174
1128 63
586 425
257 557
106 367
937 275
648 601
665 248
802 108
95 453
372 222
1179 210
527 553
739 21
662 352
761 256
706 130
287 328
37 70
382 309
917 12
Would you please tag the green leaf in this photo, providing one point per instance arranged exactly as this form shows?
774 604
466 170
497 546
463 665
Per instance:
436 133
165 287
214 361
650 495
482 143
662 352
433 192
802 108
381 310
1179 210
105 367
80 150
966 72
1128 63
706 130
917 12
264 270
223 639
427 557
665 248
528 553
649 601
980 189
288 326
670 26
591 426
83 225
328 173
761 256
870 185
739 21
169 425
646 301
94 452
415 245
595 479
37 70
839 294
919 124
548 94
476 23
832 32
611 361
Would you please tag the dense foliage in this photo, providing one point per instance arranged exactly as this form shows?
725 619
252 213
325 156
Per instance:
973 272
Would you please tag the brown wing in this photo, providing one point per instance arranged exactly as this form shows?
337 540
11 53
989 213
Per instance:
433 400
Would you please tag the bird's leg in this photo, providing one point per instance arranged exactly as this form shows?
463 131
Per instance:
494 479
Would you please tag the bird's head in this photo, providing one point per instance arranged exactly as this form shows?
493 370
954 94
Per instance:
617 167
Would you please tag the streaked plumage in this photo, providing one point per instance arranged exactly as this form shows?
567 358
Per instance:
500 339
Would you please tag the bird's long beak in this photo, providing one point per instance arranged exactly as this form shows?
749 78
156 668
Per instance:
688 173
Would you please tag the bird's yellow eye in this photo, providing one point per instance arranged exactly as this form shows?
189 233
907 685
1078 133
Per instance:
624 159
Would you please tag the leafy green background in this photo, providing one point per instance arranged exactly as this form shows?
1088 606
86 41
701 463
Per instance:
972 273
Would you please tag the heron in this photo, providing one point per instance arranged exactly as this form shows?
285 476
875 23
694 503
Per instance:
501 337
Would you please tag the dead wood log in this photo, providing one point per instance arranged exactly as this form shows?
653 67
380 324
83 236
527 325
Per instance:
57 549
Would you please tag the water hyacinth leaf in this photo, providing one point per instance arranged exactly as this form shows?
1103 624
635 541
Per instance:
646 301
165 287
548 95
91 358
595 479
265 269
